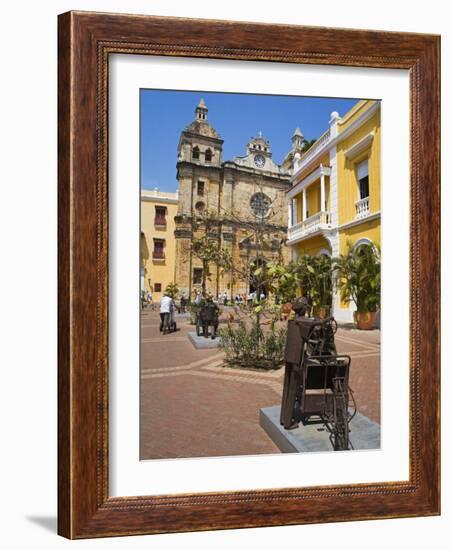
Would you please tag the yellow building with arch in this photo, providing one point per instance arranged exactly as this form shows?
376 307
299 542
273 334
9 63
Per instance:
335 193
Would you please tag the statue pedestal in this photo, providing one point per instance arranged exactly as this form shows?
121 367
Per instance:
314 437
200 342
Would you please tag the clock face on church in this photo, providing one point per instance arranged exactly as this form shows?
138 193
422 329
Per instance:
259 161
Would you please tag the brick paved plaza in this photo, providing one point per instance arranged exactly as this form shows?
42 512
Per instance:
192 406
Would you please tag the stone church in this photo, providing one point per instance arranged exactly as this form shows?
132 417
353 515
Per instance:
235 191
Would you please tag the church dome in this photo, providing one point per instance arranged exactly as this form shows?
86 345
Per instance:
202 128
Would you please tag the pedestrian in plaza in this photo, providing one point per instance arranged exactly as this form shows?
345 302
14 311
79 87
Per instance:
225 298
166 305
183 303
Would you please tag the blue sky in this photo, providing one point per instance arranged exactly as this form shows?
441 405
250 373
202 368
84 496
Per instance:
237 117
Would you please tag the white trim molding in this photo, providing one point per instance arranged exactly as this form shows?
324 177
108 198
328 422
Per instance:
362 240
154 195
310 178
368 218
360 146
316 226
326 141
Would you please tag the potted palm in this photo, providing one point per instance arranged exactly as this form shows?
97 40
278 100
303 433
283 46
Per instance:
322 292
357 275
313 274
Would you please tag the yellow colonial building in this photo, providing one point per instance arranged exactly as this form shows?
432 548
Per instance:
158 247
335 193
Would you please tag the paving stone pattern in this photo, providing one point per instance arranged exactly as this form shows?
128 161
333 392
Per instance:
192 406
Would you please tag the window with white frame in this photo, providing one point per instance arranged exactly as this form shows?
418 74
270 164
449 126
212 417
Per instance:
362 171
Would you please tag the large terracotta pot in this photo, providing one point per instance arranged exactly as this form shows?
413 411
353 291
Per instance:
286 310
324 311
365 320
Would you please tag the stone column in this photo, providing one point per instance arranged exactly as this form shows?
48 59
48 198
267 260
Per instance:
322 191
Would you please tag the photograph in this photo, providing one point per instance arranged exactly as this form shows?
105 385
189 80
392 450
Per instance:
259 277
230 223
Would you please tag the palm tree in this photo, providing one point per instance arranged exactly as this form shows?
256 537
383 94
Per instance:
307 144
357 275
172 290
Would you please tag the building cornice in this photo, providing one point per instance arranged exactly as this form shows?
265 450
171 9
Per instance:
333 141
157 199
368 218
321 231
359 146
310 178
194 135
231 165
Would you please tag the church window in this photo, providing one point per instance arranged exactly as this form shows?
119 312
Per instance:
195 153
363 179
208 155
260 204
200 189
157 287
200 207
197 275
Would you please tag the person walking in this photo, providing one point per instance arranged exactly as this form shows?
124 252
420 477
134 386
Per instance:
166 303
148 298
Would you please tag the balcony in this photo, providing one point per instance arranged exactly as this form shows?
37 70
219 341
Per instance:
158 255
362 208
160 221
319 145
318 222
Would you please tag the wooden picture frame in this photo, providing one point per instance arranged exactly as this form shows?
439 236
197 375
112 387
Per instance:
86 40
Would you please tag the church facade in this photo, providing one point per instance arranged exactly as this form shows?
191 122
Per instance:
234 192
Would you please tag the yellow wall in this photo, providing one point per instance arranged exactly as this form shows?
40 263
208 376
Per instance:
299 200
356 111
366 230
347 186
312 246
325 160
348 193
158 271
313 198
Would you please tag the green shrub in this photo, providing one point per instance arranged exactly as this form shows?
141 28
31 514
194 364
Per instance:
357 274
253 347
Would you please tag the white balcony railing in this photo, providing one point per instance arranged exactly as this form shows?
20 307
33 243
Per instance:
319 144
362 208
317 222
